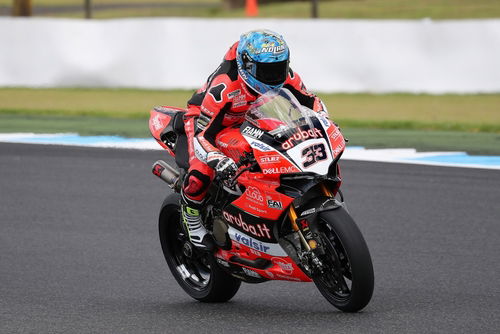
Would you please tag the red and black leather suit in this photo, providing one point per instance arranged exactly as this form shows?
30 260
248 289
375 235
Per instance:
222 102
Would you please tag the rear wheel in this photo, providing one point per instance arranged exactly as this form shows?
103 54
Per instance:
347 282
196 272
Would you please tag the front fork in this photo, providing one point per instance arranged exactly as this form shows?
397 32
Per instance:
292 214
308 243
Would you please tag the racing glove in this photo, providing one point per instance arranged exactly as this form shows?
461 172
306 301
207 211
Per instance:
224 166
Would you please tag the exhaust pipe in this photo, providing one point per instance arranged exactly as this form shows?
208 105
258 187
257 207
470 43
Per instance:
166 172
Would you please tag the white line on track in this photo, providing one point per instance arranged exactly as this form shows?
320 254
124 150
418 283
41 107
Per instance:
407 156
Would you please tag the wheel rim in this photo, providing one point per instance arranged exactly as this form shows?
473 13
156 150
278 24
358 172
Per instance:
195 269
337 279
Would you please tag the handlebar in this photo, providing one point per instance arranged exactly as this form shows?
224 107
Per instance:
247 160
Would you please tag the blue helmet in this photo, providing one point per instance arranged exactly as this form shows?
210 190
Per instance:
262 58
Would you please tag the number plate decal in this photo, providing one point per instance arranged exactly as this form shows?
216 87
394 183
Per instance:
312 155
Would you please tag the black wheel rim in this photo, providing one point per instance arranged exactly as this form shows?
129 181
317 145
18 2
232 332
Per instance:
337 279
194 270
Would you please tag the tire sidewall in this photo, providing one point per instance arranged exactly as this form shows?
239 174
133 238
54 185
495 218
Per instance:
169 214
359 258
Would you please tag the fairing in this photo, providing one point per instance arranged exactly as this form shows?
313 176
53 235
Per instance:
160 123
283 139
290 138
280 134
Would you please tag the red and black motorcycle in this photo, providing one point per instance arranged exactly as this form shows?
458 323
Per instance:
281 217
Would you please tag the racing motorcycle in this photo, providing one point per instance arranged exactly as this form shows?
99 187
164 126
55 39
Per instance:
280 217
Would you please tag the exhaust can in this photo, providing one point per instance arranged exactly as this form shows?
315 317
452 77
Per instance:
166 172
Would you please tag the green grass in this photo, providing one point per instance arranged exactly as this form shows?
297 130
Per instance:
121 103
426 122
372 9
84 125
390 9
473 113
475 143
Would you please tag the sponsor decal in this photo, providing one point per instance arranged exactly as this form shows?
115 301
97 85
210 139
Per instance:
336 151
323 120
234 93
274 204
308 212
313 154
244 88
233 116
214 156
206 111
280 170
300 136
241 72
254 193
199 152
304 224
269 159
252 243
156 122
250 272
271 48
222 144
158 169
286 267
203 141
260 146
239 101
256 209
335 134
253 132
258 230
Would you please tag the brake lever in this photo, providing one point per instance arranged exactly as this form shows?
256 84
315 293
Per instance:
247 159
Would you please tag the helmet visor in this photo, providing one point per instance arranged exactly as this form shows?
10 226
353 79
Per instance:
272 73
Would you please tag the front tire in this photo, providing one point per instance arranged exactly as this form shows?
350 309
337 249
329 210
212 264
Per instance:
197 272
348 282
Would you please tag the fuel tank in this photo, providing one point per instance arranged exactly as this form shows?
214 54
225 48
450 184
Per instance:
230 142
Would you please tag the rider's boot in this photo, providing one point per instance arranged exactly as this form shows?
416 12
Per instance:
191 216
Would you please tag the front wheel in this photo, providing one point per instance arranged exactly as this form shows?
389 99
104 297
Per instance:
347 279
196 272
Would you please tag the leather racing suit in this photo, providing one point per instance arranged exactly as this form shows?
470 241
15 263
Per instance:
222 102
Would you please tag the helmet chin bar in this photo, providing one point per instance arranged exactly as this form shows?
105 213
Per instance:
265 88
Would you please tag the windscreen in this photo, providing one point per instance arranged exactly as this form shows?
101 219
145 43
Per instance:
279 113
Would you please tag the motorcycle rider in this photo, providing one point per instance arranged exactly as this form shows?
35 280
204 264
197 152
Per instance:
257 63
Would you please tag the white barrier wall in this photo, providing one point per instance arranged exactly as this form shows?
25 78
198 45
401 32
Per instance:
460 56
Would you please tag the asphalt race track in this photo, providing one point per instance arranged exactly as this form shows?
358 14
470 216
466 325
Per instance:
79 252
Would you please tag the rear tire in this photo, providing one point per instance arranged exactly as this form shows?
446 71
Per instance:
199 274
348 284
